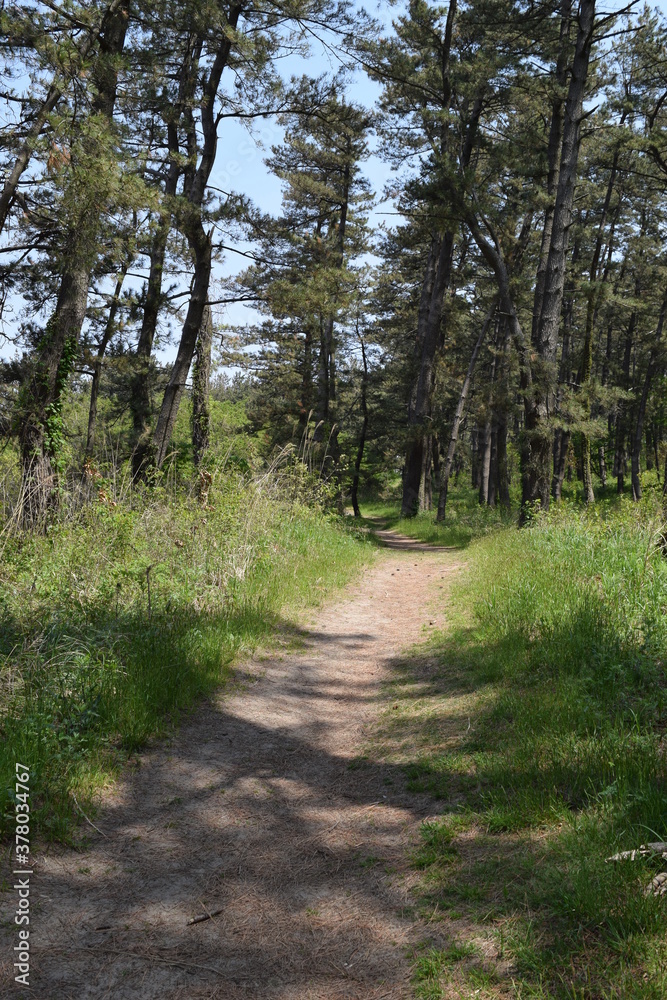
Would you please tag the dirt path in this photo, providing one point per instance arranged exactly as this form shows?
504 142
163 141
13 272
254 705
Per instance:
256 808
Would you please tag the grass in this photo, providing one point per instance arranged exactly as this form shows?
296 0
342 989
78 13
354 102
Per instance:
466 520
128 612
537 722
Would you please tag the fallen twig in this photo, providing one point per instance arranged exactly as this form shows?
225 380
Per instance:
205 916
89 821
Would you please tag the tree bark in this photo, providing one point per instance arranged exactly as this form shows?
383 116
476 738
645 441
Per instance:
536 456
485 462
427 341
475 462
109 330
434 286
553 160
199 241
653 361
485 486
503 471
458 413
201 385
603 466
425 488
354 492
328 394
140 397
620 457
40 403
306 407
493 467
593 299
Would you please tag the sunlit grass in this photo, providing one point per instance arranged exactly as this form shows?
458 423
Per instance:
123 616
556 654
466 519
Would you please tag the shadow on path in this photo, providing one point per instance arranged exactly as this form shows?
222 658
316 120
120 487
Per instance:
262 810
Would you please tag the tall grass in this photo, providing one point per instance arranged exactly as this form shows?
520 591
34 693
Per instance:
133 606
553 677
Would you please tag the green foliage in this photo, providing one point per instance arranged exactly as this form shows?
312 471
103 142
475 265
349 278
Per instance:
53 416
553 678
466 520
131 610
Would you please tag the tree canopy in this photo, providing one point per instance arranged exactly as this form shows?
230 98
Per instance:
510 317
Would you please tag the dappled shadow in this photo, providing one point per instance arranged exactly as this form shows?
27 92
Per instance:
260 808
254 819
526 743
387 537
390 539
383 533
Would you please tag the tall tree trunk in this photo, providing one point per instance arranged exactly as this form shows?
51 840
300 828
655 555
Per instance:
485 485
485 461
603 380
201 385
429 338
436 458
322 412
425 489
502 464
620 458
494 257
536 477
40 432
493 471
354 492
140 396
654 357
553 160
40 404
562 435
420 403
602 466
199 241
458 413
562 440
434 287
593 299
109 330
328 397
475 460
306 401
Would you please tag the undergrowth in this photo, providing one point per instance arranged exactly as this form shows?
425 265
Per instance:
466 519
538 723
128 611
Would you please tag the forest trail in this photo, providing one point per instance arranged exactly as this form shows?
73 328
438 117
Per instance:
257 808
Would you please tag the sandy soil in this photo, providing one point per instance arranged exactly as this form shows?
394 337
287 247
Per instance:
257 808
